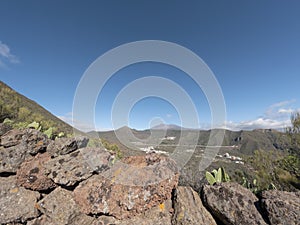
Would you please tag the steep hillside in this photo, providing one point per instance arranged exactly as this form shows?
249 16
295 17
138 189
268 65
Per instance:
22 111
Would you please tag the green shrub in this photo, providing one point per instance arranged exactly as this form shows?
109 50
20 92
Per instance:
112 148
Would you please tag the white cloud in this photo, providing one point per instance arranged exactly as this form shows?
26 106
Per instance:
260 123
278 109
286 111
6 55
277 116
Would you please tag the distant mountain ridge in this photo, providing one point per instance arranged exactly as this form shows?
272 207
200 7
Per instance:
164 126
246 141
20 109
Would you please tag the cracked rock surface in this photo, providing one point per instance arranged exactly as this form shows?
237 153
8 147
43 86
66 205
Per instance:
16 203
129 188
69 169
282 207
232 204
18 145
63 146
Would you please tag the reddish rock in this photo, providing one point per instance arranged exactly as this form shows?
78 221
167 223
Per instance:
189 209
16 203
32 174
282 207
129 189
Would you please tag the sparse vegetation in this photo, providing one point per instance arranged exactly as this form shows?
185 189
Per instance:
294 134
113 148
19 112
273 168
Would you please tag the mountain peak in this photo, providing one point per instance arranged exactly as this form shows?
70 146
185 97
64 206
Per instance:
163 126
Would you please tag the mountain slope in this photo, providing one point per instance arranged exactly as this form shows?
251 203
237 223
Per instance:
22 110
246 141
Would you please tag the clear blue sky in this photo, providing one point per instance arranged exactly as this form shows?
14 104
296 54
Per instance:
253 48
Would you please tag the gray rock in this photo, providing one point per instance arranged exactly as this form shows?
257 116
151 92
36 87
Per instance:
77 166
59 208
63 146
30 139
79 220
4 128
282 207
32 174
232 204
158 215
11 158
129 188
12 138
189 209
19 145
16 203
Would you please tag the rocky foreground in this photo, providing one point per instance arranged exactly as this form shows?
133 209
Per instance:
64 182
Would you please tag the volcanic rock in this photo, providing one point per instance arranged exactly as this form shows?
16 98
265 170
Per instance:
63 146
32 140
232 204
17 204
4 128
130 187
69 169
282 207
32 174
60 208
11 158
18 145
189 208
158 215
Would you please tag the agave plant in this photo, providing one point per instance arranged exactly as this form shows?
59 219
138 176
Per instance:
217 176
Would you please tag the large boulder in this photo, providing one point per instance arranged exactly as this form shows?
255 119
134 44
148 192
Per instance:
130 187
70 169
232 204
59 207
189 208
16 203
282 207
63 146
32 174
